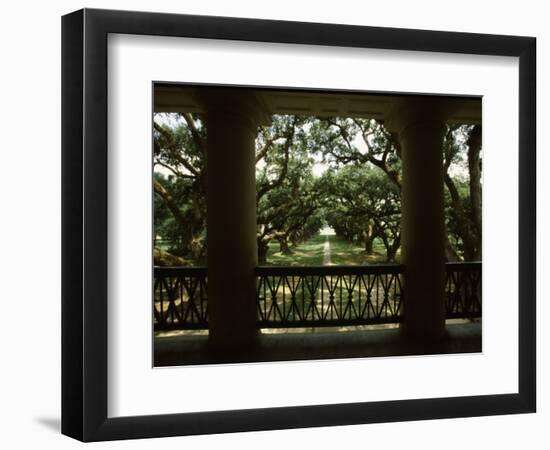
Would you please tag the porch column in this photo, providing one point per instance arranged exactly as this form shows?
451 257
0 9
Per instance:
232 119
420 127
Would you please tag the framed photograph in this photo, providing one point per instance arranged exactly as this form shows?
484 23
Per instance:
273 224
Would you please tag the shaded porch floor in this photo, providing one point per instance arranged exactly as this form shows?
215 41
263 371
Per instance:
185 350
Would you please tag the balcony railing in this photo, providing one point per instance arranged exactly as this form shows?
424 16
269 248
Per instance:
463 290
312 296
180 299
328 295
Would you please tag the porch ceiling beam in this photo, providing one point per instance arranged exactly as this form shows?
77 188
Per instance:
178 98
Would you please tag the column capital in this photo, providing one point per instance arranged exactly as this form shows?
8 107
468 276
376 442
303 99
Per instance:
243 104
418 111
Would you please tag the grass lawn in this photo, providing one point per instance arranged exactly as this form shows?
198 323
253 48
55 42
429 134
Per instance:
311 252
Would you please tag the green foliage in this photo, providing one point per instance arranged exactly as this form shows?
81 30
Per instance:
288 200
362 205
180 185
462 175
358 195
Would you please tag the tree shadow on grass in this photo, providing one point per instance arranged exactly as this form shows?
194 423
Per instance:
310 253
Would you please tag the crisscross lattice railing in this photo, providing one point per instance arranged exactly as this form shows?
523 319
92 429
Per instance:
180 298
328 295
312 296
463 290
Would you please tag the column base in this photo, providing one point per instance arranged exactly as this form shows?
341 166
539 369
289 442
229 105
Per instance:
235 347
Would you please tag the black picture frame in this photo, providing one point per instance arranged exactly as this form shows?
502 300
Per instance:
84 224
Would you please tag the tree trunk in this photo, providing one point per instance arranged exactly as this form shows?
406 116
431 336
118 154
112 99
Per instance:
462 220
386 246
263 247
450 253
186 236
474 166
369 244
391 249
198 248
283 246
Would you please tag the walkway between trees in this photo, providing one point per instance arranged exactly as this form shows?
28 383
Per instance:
326 252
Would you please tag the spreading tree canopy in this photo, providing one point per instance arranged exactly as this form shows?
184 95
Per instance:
311 172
